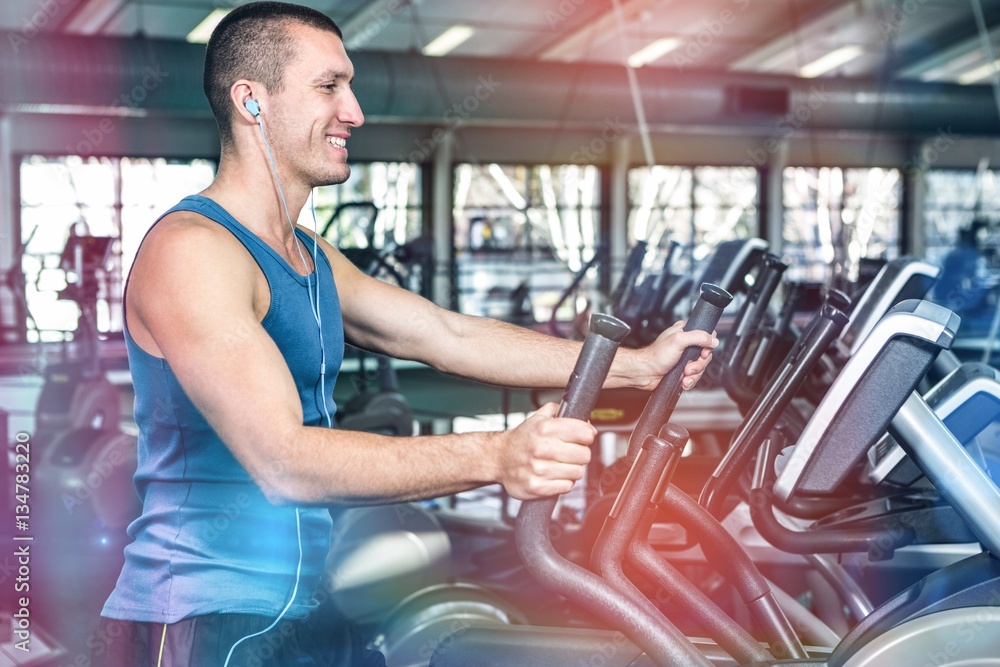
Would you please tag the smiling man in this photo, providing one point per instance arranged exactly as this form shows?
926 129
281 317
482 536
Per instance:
235 326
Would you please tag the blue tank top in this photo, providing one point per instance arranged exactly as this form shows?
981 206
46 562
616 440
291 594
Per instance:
208 541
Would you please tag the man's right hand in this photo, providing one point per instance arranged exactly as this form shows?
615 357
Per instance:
544 455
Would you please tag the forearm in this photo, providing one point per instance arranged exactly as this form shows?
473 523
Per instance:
324 466
477 348
507 355
503 354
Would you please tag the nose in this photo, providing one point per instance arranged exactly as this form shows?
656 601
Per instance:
350 111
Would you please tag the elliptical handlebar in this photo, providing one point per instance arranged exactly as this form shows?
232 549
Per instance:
881 540
638 492
728 558
626 282
756 305
592 366
704 317
824 328
625 535
663 642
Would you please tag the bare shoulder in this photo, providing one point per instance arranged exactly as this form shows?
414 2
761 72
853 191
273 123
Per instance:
190 232
192 241
189 256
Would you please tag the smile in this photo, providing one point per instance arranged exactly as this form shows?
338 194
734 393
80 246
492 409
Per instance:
337 142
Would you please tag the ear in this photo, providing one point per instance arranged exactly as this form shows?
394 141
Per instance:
242 92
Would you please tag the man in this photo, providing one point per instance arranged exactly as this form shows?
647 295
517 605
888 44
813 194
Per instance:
235 330
960 286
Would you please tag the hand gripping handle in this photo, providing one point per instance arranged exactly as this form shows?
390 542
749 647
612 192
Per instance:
652 633
579 399
704 317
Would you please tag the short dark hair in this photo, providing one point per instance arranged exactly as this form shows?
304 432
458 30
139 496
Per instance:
252 42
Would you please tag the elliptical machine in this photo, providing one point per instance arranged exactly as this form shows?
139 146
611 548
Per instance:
86 460
75 392
903 631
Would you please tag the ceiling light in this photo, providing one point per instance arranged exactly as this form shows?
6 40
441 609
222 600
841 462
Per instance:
653 51
448 40
203 30
832 60
947 70
979 73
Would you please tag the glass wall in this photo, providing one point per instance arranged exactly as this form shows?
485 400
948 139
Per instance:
104 197
953 198
961 225
836 217
122 197
376 219
521 233
697 207
392 188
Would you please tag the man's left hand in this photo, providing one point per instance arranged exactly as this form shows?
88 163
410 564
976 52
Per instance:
644 368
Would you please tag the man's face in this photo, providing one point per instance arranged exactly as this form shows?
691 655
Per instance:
312 117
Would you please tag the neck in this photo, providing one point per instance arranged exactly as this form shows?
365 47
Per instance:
244 185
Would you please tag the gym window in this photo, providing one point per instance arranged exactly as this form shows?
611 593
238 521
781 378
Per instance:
953 198
391 188
697 207
837 217
520 234
372 217
118 198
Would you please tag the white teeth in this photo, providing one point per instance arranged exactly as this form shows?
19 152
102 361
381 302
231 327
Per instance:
338 142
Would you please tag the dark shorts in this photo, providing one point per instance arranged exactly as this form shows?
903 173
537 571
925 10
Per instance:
323 639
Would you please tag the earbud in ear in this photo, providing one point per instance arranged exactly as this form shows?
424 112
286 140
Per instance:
252 107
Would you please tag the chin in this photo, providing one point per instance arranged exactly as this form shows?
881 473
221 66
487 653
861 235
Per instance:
333 179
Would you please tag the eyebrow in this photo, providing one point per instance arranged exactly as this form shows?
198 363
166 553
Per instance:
338 75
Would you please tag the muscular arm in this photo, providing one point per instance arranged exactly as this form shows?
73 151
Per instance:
192 290
488 350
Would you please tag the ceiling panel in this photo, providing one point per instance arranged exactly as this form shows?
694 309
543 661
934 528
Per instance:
164 21
19 16
929 39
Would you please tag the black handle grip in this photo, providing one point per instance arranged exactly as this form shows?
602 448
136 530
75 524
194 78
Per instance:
747 329
704 317
592 366
579 399
838 300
